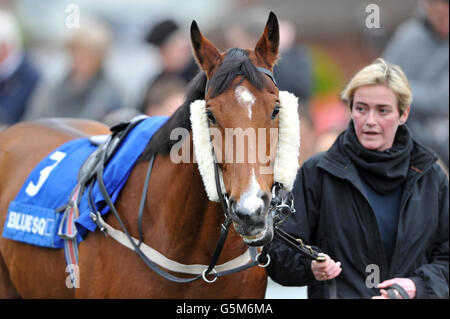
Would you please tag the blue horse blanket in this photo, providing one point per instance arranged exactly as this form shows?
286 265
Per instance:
32 216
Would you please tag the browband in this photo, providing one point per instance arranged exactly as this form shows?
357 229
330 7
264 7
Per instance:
267 72
259 68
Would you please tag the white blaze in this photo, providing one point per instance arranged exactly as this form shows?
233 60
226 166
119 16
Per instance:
250 199
245 98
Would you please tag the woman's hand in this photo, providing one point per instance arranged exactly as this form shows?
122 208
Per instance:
326 270
405 283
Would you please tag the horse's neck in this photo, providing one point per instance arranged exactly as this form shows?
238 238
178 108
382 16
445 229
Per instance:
179 220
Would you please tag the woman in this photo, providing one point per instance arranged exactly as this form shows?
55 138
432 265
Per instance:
376 203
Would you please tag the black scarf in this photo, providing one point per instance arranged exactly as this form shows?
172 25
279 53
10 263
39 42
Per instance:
383 171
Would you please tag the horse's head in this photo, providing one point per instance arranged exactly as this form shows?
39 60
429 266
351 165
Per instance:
241 112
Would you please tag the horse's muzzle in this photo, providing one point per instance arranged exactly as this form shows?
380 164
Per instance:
255 226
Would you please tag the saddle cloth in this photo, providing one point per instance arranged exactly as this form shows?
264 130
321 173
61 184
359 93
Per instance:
32 216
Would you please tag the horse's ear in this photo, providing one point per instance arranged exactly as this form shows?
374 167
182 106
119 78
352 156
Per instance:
206 54
267 46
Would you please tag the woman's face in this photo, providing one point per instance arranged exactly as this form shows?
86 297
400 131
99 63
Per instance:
376 116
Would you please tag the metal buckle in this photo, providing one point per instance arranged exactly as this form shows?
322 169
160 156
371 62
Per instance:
64 220
266 264
318 258
204 274
95 219
68 237
281 208
275 189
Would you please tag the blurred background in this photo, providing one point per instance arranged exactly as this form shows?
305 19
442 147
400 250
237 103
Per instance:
110 60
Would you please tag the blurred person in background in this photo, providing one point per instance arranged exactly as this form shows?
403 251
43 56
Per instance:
164 97
18 76
376 199
420 47
175 54
293 71
308 138
85 91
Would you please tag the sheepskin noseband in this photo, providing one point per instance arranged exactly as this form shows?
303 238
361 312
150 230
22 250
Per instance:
286 161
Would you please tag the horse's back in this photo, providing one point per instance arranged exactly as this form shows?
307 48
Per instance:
29 268
24 145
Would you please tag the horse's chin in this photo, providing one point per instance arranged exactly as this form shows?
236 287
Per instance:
262 238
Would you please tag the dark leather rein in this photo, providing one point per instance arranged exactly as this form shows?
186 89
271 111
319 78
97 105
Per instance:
281 207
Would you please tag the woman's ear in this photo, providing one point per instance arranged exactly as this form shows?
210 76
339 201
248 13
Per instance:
404 116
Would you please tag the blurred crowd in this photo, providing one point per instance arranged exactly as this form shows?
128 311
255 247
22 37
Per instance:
86 89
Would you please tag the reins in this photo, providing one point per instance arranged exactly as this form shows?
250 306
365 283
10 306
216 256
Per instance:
280 207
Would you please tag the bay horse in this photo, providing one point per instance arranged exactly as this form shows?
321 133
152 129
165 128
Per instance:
178 220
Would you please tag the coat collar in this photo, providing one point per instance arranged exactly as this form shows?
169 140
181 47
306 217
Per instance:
340 165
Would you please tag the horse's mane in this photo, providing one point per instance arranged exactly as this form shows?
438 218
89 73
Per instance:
236 62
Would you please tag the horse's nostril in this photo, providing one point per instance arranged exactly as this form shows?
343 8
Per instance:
243 215
246 215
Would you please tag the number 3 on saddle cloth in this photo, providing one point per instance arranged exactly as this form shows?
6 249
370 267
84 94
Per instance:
33 216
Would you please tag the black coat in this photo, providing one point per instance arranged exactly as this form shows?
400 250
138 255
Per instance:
334 214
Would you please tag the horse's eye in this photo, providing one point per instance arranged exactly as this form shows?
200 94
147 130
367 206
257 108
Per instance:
210 116
275 112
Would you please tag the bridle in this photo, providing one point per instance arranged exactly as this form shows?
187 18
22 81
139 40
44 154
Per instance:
259 68
281 206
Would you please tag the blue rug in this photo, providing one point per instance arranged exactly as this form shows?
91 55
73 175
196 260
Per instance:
32 216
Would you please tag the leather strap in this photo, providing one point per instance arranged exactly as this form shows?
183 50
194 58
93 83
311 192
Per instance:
332 289
259 68
267 72
391 292
223 198
304 250
144 199
162 261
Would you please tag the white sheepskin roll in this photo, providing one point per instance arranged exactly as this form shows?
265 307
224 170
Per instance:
203 148
286 162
